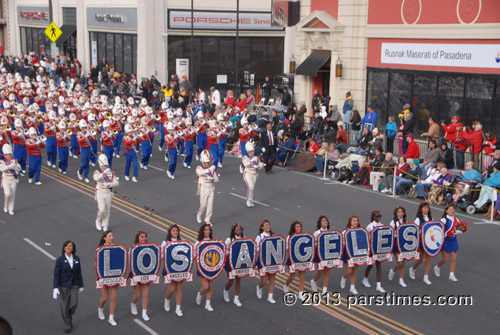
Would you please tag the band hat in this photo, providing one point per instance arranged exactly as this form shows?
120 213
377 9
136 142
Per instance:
32 131
7 149
249 146
205 156
103 160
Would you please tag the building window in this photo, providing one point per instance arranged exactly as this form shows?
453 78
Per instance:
69 16
423 102
34 39
378 86
118 50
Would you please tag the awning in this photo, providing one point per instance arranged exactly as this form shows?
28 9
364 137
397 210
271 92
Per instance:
67 31
313 62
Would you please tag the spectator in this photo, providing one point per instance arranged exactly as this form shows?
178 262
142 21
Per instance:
390 131
470 174
285 149
285 99
460 145
363 143
446 156
354 124
302 112
347 109
295 127
488 187
431 157
475 139
320 157
319 126
388 179
433 131
242 102
313 146
434 175
377 141
370 118
404 113
386 170
413 149
489 145
334 114
266 88
329 133
316 101
250 100
407 129
449 130
496 159
341 138
229 100
215 97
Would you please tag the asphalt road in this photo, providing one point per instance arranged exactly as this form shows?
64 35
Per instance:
63 208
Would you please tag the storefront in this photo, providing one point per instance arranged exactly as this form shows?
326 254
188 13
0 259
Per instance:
259 50
32 22
113 37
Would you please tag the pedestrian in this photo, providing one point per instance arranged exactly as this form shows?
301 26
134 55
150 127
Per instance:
105 180
236 233
108 291
204 234
295 228
433 131
207 176
268 140
269 278
9 168
68 283
140 289
390 130
450 245
173 235
399 219
350 272
375 218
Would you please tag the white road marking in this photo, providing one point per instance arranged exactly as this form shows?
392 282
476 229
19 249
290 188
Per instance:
36 246
277 209
242 197
488 222
146 328
156 168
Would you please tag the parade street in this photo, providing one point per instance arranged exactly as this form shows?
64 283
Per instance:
64 208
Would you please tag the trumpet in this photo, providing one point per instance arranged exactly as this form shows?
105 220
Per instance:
123 117
157 117
69 132
152 128
179 133
125 112
98 124
12 113
8 127
39 118
107 115
115 131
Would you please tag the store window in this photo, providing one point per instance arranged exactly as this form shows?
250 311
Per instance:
34 39
478 100
451 97
399 92
118 50
496 113
423 102
377 92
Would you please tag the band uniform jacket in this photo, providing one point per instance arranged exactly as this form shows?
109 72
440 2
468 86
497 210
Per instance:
66 276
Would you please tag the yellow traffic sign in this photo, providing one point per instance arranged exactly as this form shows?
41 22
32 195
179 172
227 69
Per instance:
53 32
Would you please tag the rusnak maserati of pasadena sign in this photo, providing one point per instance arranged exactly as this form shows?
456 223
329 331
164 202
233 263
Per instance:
181 19
461 55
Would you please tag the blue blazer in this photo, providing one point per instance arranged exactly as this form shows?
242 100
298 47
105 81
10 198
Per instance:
64 274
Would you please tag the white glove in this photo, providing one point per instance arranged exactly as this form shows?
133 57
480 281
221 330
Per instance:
12 166
212 168
105 184
80 290
263 149
108 170
55 293
458 232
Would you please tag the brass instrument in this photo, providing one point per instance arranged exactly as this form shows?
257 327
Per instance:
8 127
39 118
179 133
42 138
107 115
23 117
196 128
254 126
26 132
69 132
124 112
12 113
157 117
98 124
123 117
152 128
115 131
228 123
93 132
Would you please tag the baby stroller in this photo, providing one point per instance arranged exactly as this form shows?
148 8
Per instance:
466 201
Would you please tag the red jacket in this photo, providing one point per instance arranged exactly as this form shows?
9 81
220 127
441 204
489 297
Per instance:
475 139
488 146
450 131
413 150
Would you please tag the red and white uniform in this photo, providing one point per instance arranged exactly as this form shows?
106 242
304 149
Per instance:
107 138
171 141
50 129
63 139
34 149
246 134
18 137
188 136
202 126
212 138
84 138
129 142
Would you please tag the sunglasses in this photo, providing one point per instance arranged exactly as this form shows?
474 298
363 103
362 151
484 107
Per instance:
378 216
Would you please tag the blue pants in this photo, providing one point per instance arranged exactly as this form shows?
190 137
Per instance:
118 143
74 145
41 129
222 148
20 154
85 154
281 156
214 149
460 159
152 139
108 151
189 153
162 136
63 158
180 146
51 150
320 164
243 149
131 158
172 163
146 152
421 188
405 145
35 163
93 146
202 142
400 181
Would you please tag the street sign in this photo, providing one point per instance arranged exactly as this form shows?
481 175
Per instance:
53 32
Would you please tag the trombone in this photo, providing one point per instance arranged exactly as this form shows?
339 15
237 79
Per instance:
93 132
39 118
8 127
107 115
42 138
98 124
69 132
115 131
152 128
12 113
123 117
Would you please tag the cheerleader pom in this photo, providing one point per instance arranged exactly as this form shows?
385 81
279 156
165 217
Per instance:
462 226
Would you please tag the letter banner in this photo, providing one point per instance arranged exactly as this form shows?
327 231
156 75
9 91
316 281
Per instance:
382 242
211 257
242 258
301 252
272 250
329 249
408 237
111 265
432 237
178 261
145 261
357 245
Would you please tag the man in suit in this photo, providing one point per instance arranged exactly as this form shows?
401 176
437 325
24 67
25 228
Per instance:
268 141
68 282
